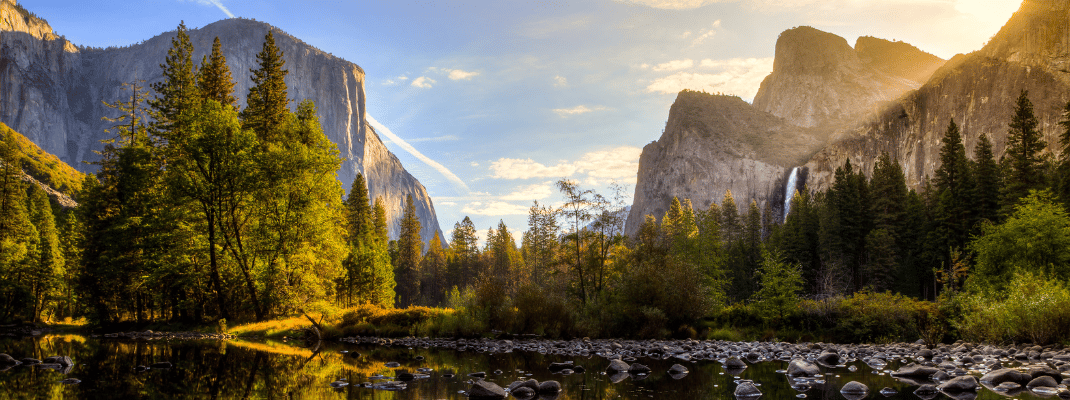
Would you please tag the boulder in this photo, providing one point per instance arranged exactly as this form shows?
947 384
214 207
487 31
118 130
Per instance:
483 390
617 366
638 368
965 383
556 367
61 360
746 389
1042 381
1044 370
800 368
734 363
855 388
8 361
915 371
678 369
524 392
829 358
1006 375
549 387
530 383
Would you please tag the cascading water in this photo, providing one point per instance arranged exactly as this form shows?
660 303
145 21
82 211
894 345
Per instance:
789 191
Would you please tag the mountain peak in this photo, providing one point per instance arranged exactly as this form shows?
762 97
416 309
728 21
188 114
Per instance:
1037 34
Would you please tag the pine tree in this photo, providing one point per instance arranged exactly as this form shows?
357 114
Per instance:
988 182
47 267
177 92
465 250
540 241
214 80
17 234
359 209
267 102
1024 147
434 271
410 252
731 227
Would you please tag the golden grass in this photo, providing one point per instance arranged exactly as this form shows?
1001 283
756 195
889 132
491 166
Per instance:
272 328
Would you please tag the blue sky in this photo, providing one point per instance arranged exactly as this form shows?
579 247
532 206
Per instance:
501 98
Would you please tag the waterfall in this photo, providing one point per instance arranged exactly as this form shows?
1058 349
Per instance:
789 191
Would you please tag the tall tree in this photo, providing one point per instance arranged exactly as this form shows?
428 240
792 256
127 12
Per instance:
540 241
988 181
47 267
464 249
267 102
178 91
1024 146
410 253
214 80
17 236
434 271
577 210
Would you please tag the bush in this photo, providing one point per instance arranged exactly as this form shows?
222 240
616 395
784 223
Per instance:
1034 308
871 317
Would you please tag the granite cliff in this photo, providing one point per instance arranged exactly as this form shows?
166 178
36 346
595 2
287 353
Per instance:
1031 52
714 143
818 80
52 92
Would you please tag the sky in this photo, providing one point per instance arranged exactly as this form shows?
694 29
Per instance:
489 102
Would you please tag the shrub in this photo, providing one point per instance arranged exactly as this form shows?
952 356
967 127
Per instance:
1034 308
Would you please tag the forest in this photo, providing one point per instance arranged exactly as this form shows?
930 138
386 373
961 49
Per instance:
204 214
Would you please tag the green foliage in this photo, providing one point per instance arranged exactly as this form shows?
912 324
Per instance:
1034 239
43 166
1026 164
410 253
1035 308
871 317
268 104
780 284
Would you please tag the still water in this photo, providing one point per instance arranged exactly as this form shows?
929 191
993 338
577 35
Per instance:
239 369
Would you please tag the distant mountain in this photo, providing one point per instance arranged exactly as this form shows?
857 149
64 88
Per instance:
51 91
818 80
978 90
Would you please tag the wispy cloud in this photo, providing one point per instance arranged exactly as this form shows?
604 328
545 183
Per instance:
218 4
494 208
618 164
455 74
531 192
560 81
423 82
445 138
674 65
566 112
673 4
706 34
457 182
737 76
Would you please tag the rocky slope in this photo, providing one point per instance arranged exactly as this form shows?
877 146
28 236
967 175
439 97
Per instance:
818 80
978 90
714 143
52 92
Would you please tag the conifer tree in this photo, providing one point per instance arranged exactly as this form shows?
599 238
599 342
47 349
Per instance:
988 181
434 270
214 80
17 236
1024 147
1062 178
465 252
410 252
47 267
730 224
177 92
267 102
540 241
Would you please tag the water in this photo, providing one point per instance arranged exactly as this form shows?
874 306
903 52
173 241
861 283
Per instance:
256 370
789 191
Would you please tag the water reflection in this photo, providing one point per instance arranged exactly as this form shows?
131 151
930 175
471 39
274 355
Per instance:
255 370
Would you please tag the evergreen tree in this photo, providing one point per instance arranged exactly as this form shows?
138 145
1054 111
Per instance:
731 227
1024 147
433 266
988 182
849 224
954 185
465 254
539 243
47 267
214 80
359 209
410 252
17 236
779 285
177 92
267 102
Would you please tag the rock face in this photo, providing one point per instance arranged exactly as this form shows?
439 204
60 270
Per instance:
52 93
714 143
818 80
978 90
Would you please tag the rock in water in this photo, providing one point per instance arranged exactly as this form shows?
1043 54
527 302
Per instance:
618 366
549 387
486 390
997 377
965 383
802 368
915 371
1042 381
678 369
734 363
524 393
53 93
747 390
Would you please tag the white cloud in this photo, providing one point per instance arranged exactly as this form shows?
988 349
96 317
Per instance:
456 74
446 138
673 4
531 192
560 81
380 128
474 164
566 112
618 164
674 65
218 4
706 34
423 82
739 76
495 208
447 203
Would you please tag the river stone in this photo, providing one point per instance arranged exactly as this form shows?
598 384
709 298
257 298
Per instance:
617 366
555 367
854 390
829 358
524 392
71 381
1006 375
678 369
8 361
530 383
339 384
549 387
392 364
638 368
926 389
888 392
61 360
734 363
915 371
799 368
1042 381
1007 386
405 376
486 390
746 389
925 354
480 374
965 383
1044 370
